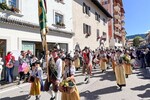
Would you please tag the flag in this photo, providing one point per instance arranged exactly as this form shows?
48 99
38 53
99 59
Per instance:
42 10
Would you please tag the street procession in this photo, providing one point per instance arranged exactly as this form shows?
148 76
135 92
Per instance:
71 50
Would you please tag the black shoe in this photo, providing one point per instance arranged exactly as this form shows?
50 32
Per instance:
52 98
37 98
103 71
19 83
85 79
126 76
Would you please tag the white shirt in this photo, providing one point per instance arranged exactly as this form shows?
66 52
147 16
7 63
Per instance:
72 71
59 68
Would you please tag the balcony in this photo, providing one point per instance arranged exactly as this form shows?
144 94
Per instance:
117 15
117 7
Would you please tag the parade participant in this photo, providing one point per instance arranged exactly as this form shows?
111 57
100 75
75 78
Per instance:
113 60
1 66
55 73
76 60
69 76
36 80
23 64
87 67
103 61
127 64
108 59
119 71
9 59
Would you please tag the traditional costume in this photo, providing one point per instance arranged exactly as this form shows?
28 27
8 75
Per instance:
87 67
127 65
68 74
113 60
103 63
119 72
55 73
76 60
36 79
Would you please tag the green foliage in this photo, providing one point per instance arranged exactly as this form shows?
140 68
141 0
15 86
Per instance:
136 41
4 6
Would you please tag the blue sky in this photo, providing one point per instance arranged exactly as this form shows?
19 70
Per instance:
137 16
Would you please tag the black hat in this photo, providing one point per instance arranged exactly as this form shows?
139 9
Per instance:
68 56
37 62
86 47
119 51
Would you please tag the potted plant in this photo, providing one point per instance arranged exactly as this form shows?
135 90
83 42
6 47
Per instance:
4 6
13 9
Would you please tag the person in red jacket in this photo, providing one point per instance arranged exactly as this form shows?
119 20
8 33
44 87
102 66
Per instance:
9 59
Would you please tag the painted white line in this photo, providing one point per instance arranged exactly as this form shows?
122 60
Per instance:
13 88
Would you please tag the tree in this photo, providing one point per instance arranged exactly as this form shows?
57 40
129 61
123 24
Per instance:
136 41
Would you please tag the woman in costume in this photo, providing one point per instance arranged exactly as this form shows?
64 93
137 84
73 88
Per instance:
37 84
127 64
113 60
76 60
69 76
119 71
103 61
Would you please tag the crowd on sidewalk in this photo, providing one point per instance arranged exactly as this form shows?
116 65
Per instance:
62 66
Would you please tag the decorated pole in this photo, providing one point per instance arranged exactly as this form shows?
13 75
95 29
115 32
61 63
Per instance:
42 11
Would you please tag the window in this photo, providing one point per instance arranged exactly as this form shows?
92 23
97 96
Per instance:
97 16
104 21
12 3
104 34
86 9
97 32
59 19
1 1
86 29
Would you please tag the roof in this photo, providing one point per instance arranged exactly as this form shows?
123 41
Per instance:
97 3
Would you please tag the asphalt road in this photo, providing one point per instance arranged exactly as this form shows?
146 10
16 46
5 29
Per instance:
102 86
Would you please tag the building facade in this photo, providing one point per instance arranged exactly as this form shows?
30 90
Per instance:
117 33
90 21
19 27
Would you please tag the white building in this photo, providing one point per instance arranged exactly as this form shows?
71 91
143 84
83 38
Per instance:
90 22
20 31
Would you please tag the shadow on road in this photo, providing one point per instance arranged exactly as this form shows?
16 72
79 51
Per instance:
95 94
108 76
22 97
141 88
145 95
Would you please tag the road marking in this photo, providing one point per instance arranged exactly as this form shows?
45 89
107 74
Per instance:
13 88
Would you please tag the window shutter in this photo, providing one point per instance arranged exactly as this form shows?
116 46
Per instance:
89 11
84 7
97 32
90 30
84 28
99 18
95 15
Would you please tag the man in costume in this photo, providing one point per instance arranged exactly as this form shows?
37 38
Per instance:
55 73
87 59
